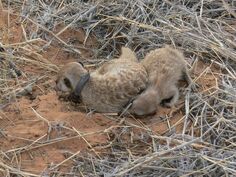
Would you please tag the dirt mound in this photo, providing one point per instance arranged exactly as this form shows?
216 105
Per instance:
49 126
50 122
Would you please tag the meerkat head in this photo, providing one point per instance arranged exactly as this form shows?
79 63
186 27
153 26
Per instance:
146 103
71 78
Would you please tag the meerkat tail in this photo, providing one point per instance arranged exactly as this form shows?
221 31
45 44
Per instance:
128 54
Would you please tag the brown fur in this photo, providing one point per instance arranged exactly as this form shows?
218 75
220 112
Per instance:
165 67
110 87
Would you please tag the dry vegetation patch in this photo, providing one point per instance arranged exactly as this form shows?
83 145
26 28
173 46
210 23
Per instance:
41 135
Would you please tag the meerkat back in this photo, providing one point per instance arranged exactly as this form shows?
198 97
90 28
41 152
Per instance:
165 67
115 83
127 57
114 89
164 63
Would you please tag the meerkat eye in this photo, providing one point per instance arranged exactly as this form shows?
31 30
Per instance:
81 63
67 82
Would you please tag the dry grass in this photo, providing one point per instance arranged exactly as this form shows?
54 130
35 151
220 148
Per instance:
204 30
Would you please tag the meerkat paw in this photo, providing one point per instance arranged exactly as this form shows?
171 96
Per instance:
171 97
169 102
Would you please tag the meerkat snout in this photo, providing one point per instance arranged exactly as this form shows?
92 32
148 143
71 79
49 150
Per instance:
146 104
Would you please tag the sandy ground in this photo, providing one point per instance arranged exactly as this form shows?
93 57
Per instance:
39 130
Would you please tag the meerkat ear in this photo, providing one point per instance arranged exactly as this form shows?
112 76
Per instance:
83 80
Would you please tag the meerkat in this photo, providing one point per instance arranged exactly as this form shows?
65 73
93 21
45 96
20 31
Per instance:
165 67
107 89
